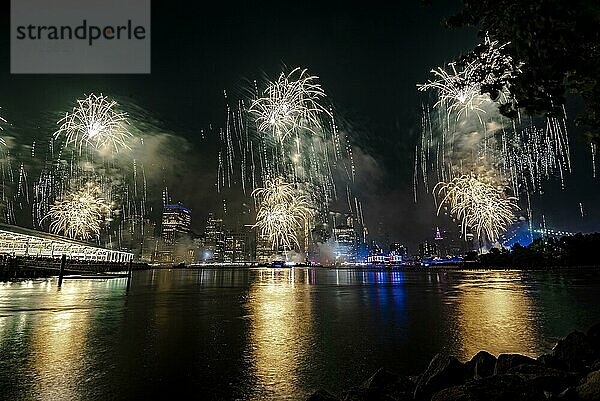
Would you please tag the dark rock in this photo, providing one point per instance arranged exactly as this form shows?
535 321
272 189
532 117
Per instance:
570 394
507 361
494 388
573 352
386 383
454 393
544 378
381 379
322 395
593 336
546 360
481 365
443 371
589 387
368 394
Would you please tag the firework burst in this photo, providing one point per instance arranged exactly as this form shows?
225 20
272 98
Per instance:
283 211
474 153
290 104
80 214
479 204
455 91
96 123
464 86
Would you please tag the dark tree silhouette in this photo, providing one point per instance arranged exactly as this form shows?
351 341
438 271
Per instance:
576 250
559 43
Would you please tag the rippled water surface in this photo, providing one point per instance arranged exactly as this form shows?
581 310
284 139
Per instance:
270 334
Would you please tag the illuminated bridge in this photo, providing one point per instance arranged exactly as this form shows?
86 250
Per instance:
19 241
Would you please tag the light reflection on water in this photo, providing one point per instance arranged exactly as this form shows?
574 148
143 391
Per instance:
279 307
270 334
499 313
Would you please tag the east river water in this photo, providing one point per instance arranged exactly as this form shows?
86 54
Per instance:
250 334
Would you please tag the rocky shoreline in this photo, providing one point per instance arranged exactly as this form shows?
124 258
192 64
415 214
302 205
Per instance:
571 372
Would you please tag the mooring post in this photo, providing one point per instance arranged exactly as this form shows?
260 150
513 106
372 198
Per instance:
129 274
63 261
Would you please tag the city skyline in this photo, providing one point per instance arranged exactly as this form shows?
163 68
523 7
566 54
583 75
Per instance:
307 201
382 127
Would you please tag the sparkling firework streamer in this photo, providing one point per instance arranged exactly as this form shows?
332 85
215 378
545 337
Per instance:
593 150
285 132
478 204
290 104
2 121
283 211
95 122
303 145
80 214
465 134
463 87
7 175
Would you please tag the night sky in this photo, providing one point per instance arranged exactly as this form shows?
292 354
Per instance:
369 58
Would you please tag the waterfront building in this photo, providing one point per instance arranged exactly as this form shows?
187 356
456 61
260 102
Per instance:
397 253
264 249
427 250
149 241
236 247
344 237
213 240
24 242
175 233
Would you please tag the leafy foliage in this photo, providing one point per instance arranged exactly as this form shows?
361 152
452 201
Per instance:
558 42
576 250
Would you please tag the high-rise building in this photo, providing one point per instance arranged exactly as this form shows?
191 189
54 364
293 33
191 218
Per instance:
344 237
138 237
149 241
397 253
447 244
398 249
264 248
175 232
236 247
427 250
214 240
176 222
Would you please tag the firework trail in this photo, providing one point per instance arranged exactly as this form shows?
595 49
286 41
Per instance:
2 121
480 205
290 104
465 135
121 178
286 132
80 214
470 81
99 142
593 150
283 211
7 175
95 122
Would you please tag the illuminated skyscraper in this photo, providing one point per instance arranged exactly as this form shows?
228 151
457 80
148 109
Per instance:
175 230
214 240
176 223
236 247
344 237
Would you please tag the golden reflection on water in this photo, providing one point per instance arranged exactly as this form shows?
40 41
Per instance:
53 326
279 308
58 344
495 313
